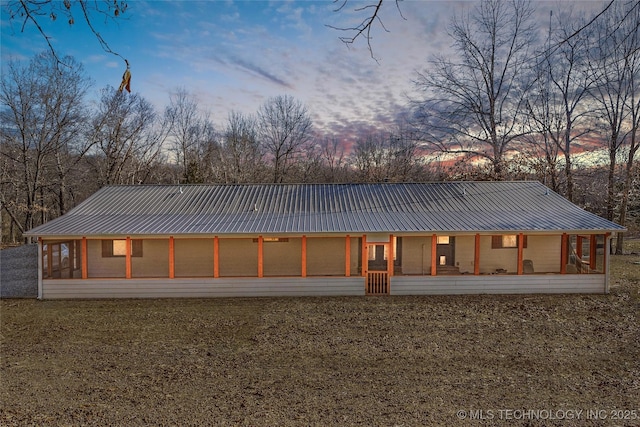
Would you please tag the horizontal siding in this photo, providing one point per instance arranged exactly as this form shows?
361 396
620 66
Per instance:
511 284
202 288
320 286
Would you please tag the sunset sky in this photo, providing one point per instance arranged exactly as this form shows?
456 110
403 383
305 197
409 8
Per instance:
233 55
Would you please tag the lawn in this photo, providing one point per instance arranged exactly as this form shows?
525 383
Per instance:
404 361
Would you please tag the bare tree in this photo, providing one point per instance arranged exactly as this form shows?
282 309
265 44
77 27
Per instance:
42 121
386 157
615 64
369 159
127 144
240 153
475 103
558 111
285 129
333 160
33 12
191 135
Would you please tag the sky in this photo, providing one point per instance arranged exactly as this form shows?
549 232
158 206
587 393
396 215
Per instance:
234 55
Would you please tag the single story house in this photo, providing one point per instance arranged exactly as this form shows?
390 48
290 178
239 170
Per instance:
323 239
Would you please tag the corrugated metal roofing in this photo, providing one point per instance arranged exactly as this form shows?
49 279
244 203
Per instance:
323 208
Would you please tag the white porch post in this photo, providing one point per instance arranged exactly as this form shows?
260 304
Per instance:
605 263
40 244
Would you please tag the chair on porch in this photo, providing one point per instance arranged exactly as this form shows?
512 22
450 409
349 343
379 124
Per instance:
527 266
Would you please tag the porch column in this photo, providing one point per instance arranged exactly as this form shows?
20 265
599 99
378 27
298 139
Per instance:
72 258
593 241
83 261
365 257
172 259
476 256
563 255
606 252
127 261
605 261
304 256
216 257
579 246
49 261
434 258
40 267
390 256
260 257
520 252
347 261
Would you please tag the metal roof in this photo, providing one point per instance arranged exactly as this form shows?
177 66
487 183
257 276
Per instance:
523 206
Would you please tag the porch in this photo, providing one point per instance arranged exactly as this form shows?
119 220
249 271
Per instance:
321 265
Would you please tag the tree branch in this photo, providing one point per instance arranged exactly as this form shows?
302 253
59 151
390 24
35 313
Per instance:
364 28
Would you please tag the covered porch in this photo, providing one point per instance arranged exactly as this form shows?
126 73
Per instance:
187 266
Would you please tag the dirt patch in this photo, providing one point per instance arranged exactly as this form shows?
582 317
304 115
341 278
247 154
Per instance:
325 361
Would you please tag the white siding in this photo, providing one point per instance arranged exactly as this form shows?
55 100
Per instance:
202 288
498 284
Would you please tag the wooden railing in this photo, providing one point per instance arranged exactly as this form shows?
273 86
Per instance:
377 283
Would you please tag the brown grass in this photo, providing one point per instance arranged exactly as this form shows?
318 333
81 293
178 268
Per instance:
325 361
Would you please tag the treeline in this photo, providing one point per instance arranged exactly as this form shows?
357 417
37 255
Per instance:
506 104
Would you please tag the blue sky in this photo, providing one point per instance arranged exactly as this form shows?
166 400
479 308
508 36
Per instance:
233 55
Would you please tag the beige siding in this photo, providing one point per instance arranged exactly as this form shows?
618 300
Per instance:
355 248
97 266
238 257
494 259
193 257
326 256
154 261
416 255
283 258
526 284
202 288
465 248
545 252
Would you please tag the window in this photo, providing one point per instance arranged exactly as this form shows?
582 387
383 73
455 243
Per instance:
395 249
272 240
118 248
373 248
443 240
510 241
506 241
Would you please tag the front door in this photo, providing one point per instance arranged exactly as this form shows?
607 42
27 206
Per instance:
377 269
445 251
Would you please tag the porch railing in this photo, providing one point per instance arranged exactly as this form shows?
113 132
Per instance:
377 283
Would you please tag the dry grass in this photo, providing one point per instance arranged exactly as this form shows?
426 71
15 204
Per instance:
323 361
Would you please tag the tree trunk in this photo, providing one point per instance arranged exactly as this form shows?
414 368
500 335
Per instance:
611 181
569 175
622 219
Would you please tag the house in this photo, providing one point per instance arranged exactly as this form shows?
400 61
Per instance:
323 239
